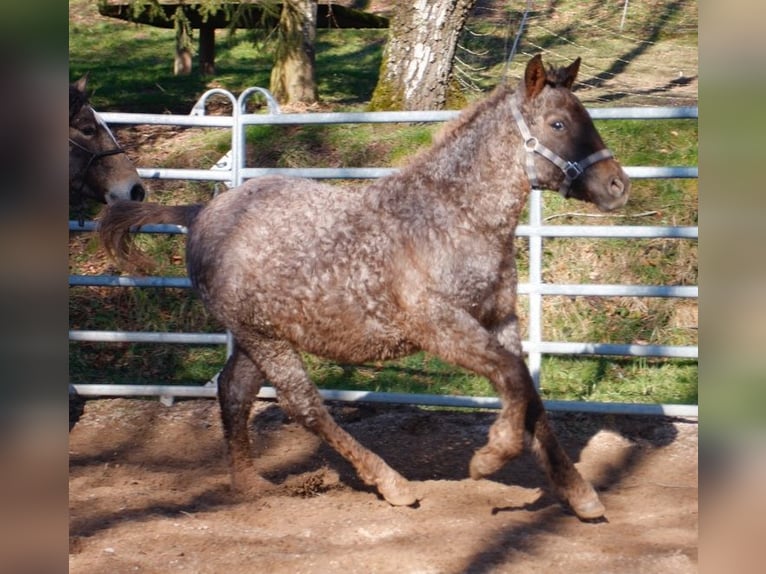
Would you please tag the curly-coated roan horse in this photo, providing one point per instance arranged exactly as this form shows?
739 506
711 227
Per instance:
99 170
419 260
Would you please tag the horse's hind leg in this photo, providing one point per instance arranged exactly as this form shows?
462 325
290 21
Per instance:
238 384
301 400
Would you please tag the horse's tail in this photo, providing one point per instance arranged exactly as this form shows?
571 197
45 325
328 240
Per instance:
117 220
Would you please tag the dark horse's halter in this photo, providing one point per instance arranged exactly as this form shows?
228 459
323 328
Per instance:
94 156
572 169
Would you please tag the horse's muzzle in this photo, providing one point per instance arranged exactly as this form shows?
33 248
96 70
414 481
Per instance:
615 194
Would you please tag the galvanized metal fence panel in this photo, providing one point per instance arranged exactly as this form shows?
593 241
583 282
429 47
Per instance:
232 170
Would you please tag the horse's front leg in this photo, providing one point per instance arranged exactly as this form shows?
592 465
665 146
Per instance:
566 480
457 337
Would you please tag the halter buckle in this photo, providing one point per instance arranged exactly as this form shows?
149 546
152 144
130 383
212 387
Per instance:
573 170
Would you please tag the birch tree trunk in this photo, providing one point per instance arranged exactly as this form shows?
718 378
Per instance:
417 62
292 78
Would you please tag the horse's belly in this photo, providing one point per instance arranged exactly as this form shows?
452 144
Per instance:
347 337
323 318
350 345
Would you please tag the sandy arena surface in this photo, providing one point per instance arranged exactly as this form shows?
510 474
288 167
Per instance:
149 492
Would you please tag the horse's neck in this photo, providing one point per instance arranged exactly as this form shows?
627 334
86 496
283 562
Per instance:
477 166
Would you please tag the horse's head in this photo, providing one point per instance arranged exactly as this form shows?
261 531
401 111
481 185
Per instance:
98 166
564 151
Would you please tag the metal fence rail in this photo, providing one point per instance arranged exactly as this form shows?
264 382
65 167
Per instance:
232 170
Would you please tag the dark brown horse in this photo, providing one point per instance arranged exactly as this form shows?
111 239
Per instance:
99 170
420 260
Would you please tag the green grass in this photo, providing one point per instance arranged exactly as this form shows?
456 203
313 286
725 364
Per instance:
130 67
143 364
419 373
636 380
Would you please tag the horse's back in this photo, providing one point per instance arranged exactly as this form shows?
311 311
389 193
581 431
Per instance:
271 220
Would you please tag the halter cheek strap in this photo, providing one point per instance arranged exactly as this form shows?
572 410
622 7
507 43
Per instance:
572 169
94 156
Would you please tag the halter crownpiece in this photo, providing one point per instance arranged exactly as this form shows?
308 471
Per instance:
572 169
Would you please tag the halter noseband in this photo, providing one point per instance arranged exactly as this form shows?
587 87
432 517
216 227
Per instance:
572 169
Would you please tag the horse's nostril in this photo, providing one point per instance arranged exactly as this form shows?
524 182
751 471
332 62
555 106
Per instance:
617 187
137 193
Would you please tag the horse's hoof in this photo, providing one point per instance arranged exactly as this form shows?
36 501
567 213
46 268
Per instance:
398 493
485 462
588 509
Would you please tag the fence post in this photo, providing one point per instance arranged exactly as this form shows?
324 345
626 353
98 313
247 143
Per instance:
534 329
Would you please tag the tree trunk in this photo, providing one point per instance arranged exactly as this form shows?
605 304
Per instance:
182 63
292 78
207 50
417 63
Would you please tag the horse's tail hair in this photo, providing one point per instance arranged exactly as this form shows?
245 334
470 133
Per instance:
118 219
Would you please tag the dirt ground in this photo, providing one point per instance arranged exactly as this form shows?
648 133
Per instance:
149 492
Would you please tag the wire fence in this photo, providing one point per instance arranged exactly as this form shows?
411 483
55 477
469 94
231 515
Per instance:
634 53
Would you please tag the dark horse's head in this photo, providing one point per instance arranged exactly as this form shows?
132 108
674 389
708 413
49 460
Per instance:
98 167
563 149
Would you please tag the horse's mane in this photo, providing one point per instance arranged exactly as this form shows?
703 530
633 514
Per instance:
556 77
451 129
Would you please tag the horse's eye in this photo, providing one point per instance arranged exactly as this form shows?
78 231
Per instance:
88 131
558 125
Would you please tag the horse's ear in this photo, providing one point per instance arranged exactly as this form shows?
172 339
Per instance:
534 77
82 84
570 73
